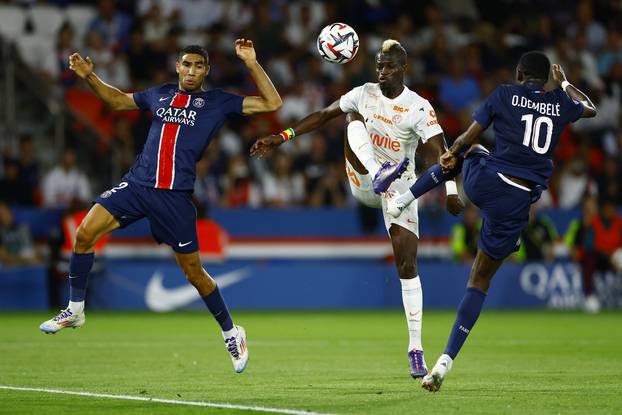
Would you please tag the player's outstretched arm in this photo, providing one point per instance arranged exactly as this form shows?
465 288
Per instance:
269 99
116 99
265 145
449 160
436 146
559 77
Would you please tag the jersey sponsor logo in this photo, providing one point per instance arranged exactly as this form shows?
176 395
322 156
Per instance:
383 119
385 142
353 177
396 118
397 108
433 121
177 115
159 298
198 102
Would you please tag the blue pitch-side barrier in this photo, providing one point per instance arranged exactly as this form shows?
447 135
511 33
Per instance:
285 222
158 284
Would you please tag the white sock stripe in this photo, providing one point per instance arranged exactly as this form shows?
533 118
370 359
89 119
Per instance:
167 401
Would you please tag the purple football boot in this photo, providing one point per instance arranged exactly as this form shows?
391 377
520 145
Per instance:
388 173
418 368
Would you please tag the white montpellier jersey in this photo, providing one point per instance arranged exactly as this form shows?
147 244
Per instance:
394 125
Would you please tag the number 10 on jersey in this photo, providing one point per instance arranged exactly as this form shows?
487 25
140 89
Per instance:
532 133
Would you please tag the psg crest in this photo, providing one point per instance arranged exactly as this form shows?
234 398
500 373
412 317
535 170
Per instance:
198 102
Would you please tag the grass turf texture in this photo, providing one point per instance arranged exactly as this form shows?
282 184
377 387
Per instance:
335 362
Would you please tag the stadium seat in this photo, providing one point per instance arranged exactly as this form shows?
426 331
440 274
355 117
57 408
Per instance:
80 16
12 22
46 19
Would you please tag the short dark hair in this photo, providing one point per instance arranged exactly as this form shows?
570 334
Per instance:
195 49
535 65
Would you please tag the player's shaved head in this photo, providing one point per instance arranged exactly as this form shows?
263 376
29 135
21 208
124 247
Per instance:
195 50
393 48
534 65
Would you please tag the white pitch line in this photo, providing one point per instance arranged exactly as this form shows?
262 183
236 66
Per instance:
168 401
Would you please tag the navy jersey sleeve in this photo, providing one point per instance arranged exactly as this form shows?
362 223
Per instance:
230 104
572 109
144 98
486 112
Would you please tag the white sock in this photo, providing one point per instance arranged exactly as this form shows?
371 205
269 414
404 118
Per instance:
405 198
361 145
412 296
76 307
230 333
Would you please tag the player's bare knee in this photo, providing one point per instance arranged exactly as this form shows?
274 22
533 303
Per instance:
85 239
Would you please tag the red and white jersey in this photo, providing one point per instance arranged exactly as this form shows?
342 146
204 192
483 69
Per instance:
395 125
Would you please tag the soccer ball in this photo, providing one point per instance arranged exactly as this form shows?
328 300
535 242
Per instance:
338 43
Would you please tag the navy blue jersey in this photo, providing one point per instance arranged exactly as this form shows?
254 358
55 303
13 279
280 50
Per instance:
183 125
527 124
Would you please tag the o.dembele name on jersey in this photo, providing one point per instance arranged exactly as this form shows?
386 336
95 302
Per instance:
542 107
177 115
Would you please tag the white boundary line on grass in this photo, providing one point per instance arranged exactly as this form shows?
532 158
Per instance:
168 401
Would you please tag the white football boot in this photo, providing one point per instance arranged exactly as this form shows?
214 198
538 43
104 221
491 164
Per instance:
394 208
434 379
66 318
236 346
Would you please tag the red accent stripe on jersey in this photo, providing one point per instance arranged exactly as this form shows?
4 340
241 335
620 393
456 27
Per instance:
180 101
165 173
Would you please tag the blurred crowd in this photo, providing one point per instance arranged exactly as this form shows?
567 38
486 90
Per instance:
458 52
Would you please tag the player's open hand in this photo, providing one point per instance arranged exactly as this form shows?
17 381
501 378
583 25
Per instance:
82 67
245 50
448 161
265 145
557 73
454 204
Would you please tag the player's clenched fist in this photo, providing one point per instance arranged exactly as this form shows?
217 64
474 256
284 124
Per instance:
265 145
448 161
557 73
245 50
454 204
82 67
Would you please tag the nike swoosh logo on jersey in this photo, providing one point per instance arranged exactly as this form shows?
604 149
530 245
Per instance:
159 298
164 99
184 244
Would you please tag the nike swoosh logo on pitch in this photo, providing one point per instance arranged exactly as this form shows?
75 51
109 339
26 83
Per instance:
159 298
184 244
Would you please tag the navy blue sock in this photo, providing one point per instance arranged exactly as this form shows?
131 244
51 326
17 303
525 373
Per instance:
79 268
468 312
433 177
216 305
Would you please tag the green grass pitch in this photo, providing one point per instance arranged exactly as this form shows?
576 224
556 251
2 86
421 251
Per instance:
354 362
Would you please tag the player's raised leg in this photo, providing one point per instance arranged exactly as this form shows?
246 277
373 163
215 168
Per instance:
235 336
405 244
428 180
362 146
97 223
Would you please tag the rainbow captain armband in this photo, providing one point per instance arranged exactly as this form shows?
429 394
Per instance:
287 134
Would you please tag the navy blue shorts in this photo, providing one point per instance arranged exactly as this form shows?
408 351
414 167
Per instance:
504 206
171 214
